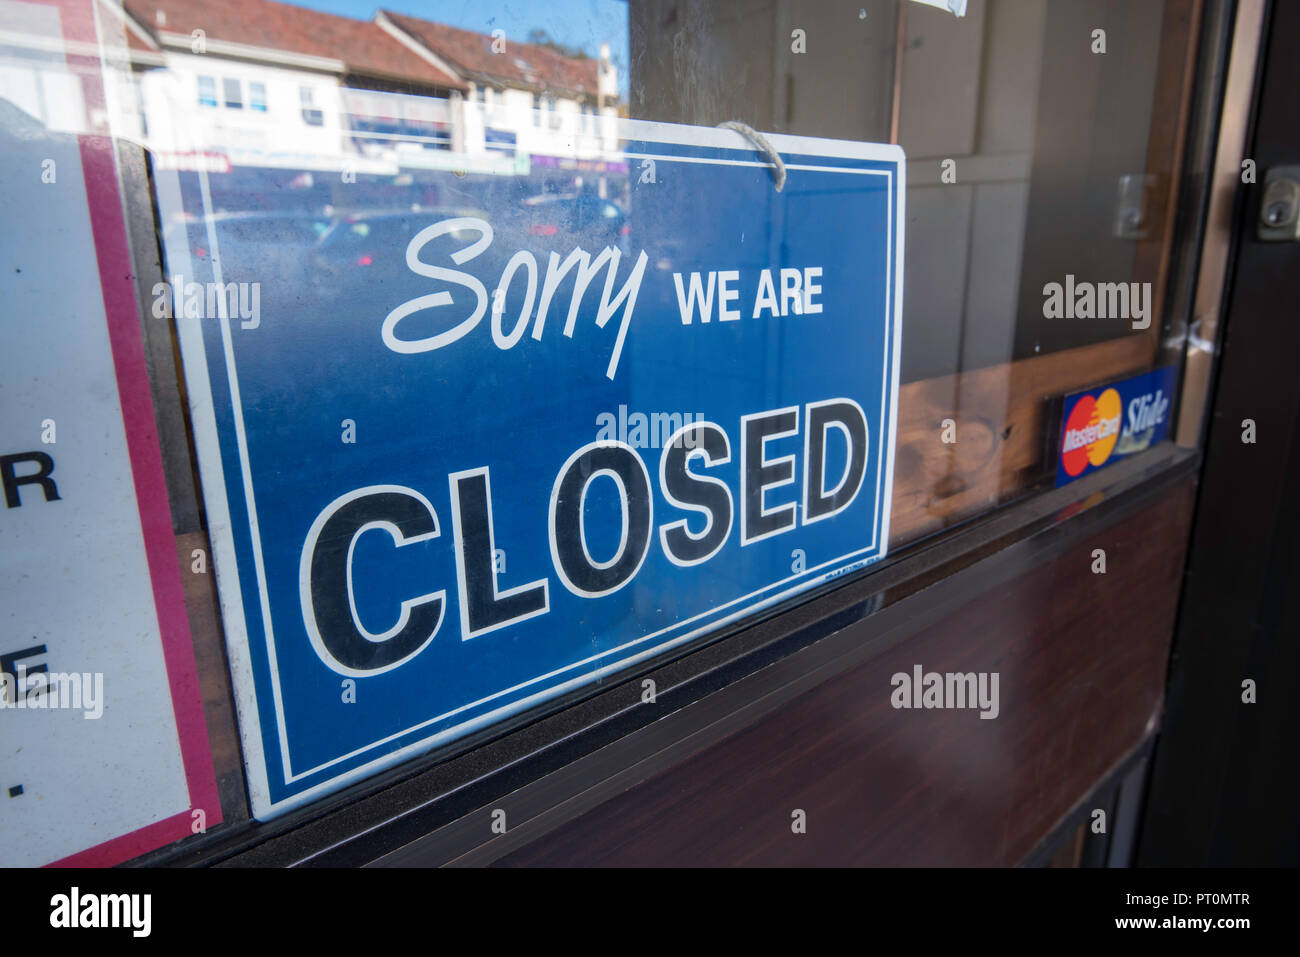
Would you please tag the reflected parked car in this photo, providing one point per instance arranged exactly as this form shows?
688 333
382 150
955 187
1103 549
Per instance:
583 219
266 247
370 249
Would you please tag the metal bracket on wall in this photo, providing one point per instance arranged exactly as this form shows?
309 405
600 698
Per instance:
1135 213
1279 211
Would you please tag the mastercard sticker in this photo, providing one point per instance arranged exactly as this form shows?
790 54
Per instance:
1108 423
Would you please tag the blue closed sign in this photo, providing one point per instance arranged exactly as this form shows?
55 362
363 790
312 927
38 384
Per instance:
495 448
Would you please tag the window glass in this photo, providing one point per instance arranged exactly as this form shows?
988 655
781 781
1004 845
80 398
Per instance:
232 89
1042 158
310 114
437 365
207 91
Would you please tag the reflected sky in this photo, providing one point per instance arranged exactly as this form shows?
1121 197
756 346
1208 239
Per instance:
584 24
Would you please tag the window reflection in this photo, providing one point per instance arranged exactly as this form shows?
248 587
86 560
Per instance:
1034 159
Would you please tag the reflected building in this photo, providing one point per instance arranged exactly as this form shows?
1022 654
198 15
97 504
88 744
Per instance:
261 84
521 97
270 84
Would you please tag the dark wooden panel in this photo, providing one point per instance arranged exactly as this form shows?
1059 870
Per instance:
1082 660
